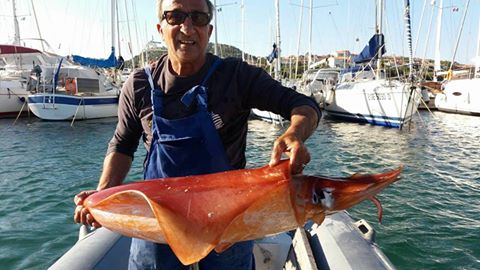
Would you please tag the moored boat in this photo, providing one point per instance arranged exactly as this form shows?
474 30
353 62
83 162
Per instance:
82 90
367 95
460 96
18 78
77 92
379 102
13 95
267 116
68 107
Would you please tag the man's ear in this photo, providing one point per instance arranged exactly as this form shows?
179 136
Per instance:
159 29
210 30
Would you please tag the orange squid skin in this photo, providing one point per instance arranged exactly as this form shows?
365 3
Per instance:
196 214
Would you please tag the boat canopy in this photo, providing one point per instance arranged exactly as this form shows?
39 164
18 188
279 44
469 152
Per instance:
14 49
370 51
111 61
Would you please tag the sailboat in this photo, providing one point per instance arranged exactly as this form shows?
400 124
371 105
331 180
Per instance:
79 91
14 78
75 93
462 95
15 74
364 94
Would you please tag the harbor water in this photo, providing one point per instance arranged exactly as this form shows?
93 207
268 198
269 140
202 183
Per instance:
431 216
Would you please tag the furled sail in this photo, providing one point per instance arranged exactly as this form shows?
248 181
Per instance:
376 43
110 62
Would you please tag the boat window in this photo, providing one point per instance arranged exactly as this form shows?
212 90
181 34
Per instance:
85 85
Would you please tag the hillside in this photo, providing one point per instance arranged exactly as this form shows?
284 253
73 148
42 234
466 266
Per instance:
391 63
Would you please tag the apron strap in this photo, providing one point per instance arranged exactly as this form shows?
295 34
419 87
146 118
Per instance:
156 102
148 72
200 91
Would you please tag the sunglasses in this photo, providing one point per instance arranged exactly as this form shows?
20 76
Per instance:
177 17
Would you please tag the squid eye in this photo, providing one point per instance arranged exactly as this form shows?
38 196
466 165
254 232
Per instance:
317 197
323 196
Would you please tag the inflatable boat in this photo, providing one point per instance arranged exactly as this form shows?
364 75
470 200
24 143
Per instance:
339 242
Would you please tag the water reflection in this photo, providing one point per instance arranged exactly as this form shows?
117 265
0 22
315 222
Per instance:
260 138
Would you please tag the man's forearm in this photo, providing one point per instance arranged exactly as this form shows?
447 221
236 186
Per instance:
115 169
303 122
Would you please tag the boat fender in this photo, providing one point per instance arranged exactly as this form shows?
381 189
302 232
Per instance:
70 86
367 231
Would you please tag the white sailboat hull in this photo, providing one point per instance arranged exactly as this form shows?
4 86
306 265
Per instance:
378 102
12 98
268 116
67 107
460 96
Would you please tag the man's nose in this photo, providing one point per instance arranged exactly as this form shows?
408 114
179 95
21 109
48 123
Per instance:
187 26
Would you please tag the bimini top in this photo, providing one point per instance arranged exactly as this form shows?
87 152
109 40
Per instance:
14 49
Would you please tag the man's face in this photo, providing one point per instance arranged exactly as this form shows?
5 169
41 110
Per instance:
186 42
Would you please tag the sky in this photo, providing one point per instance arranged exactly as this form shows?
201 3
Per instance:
84 27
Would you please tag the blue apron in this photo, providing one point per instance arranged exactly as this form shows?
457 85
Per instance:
181 147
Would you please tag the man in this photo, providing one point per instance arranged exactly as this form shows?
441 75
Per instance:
191 109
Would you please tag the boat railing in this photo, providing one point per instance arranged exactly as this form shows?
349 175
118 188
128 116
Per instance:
39 85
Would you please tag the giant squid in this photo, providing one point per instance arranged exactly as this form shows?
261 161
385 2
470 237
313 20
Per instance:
197 214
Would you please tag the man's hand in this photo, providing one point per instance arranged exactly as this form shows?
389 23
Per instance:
82 215
291 145
303 122
115 168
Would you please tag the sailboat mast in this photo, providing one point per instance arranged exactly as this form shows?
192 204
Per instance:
420 26
310 27
119 48
409 38
437 66
16 40
134 10
299 36
459 34
113 11
242 7
278 61
38 27
379 32
477 59
129 36
215 47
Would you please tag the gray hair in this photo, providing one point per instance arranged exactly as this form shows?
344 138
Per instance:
210 6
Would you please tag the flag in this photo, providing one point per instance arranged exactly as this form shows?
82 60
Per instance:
273 54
